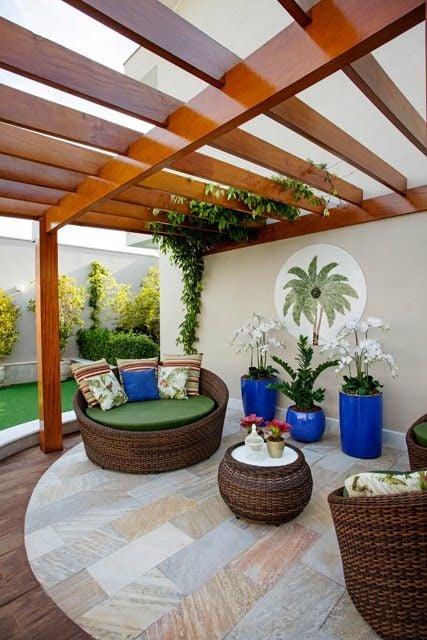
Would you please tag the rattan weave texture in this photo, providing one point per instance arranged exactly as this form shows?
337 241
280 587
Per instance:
266 494
155 451
383 544
417 454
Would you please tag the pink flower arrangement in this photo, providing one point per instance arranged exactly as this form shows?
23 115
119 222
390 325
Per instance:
248 421
276 428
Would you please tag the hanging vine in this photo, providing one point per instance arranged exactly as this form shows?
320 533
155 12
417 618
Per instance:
186 245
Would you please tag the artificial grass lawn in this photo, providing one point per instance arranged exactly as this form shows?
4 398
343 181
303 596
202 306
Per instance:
18 403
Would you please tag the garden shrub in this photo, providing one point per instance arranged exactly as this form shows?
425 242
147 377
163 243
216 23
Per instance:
141 313
95 344
9 316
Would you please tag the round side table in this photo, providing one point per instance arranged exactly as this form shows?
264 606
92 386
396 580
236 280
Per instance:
271 490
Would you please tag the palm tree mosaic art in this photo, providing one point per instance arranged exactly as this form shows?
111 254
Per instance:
317 294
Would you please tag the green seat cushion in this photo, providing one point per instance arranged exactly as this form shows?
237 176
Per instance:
420 434
153 415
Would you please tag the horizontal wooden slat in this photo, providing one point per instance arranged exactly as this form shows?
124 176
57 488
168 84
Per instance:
23 109
379 208
34 57
33 173
29 192
28 145
249 147
21 209
301 118
376 84
153 26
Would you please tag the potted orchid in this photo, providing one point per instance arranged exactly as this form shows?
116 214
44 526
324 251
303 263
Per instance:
256 338
361 397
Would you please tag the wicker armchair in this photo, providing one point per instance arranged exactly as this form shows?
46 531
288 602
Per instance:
154 451
383 544
417 454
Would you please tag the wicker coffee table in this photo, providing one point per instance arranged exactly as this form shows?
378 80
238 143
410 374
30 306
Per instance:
271 490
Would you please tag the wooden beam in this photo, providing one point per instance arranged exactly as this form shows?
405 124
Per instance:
299 10
79 127
28 145
34 57
249 147
21 208
48 355
301 118
379 208
368 75
157 28
115 223
29 192
23 109
34 173
338 34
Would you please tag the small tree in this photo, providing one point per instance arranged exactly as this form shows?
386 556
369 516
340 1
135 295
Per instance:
96 288
9 315
107 298
71 301
141 313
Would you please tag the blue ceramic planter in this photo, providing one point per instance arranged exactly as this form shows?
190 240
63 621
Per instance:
258 399
361 425
306 426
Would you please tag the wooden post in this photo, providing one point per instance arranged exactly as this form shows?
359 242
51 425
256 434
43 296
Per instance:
48 355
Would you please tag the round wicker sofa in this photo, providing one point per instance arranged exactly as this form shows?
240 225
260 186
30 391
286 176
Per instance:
416 453
154 451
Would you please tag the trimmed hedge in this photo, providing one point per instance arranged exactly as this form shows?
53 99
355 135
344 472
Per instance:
95 344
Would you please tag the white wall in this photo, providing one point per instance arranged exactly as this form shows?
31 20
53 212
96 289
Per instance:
17 268
393 257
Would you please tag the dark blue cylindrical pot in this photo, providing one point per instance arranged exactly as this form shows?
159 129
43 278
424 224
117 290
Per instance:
361 425
258 399
306 426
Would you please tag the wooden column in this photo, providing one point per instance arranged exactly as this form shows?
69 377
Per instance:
48 355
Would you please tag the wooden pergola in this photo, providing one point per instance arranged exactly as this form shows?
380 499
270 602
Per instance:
114 177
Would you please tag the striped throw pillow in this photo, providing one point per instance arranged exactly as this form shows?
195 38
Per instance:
82 371
194 362
140 364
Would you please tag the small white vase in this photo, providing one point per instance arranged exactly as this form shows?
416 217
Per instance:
253 444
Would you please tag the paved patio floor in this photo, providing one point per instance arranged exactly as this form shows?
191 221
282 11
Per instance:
161 557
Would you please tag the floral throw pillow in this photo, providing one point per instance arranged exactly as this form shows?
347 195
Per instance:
383 483
172 382
107 390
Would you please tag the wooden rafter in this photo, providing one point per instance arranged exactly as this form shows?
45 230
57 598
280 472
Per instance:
26 171
153 26
36 147
301 118
15 208
339 30
37 58
368 75
373 209
249 147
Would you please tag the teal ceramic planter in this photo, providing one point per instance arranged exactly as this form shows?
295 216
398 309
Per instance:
361 425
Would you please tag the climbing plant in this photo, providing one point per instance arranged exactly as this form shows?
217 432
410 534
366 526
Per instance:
186 245
96 289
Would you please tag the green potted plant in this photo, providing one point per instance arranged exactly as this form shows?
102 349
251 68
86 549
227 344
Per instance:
9 316
258 396
306 418
361 399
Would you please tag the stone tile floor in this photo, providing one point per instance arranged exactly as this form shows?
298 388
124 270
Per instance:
161 557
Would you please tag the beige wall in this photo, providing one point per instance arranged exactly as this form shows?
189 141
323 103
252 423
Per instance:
393 256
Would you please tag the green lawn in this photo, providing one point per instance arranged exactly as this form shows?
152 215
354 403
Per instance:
18 403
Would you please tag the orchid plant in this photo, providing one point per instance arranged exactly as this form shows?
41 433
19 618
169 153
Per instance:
360 356
254 337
